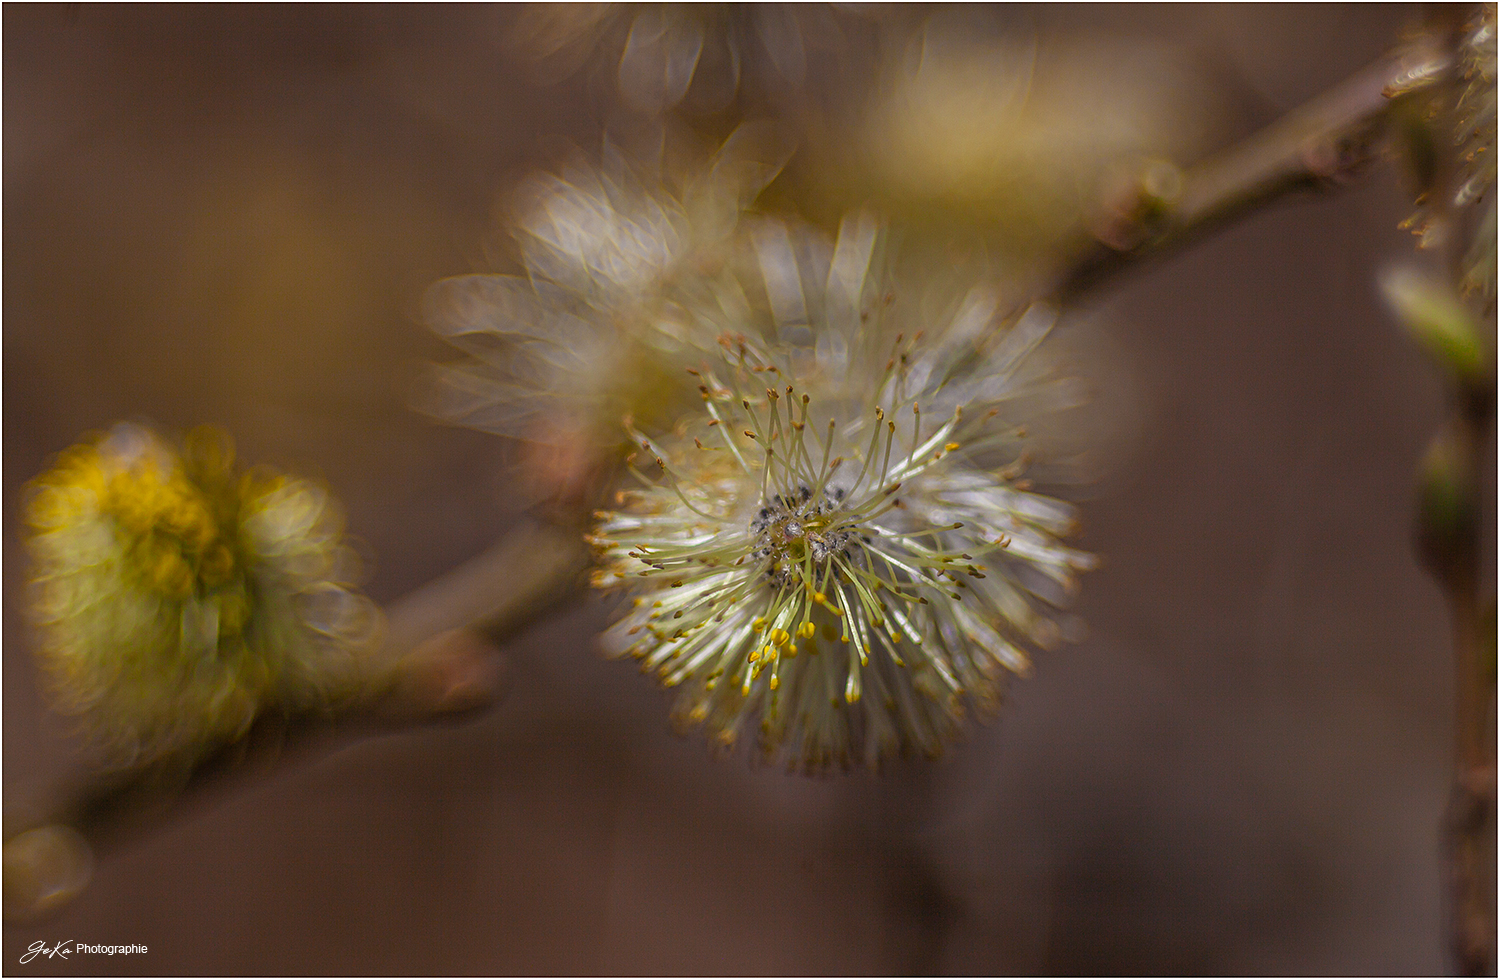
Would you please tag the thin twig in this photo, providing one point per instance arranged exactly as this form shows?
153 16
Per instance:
438 661
1448 525
1318 147
1454 559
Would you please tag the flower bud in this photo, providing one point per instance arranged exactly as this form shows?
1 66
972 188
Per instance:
1439 321
1447 518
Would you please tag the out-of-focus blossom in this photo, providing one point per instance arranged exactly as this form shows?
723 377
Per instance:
1009 137
1478 138
1467 125
1476 106
176 598
1476 146
599 326
665 55
838 550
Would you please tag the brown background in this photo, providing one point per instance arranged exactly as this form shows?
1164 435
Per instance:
227 215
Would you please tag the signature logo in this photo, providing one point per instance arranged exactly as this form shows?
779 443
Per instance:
40 948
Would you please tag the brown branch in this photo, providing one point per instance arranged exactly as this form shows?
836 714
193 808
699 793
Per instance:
1316 148
1470 823
1449 538
439 660
1448 531
1449 520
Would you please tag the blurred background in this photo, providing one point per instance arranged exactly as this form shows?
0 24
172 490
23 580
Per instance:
228 214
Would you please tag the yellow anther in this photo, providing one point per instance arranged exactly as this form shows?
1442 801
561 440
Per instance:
780 637
759 624
806 630
172 575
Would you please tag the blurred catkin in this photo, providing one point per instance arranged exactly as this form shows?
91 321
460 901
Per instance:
177 597
599 326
